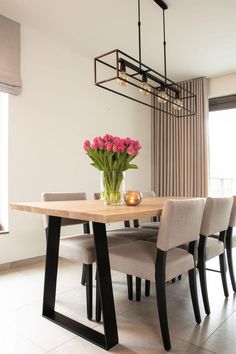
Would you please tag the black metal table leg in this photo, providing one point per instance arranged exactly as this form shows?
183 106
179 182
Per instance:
110 338
105 284
50 279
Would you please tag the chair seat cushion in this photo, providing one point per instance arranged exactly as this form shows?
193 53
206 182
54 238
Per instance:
233 239
138 259
133 233
214 248
81 248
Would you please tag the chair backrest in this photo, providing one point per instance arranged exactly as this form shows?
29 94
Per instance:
96 196
232 220
56 197
149 194
180 222
216 215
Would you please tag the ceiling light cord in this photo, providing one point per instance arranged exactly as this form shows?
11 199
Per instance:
164 44
139 36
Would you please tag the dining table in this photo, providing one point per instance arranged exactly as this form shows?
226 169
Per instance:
99 214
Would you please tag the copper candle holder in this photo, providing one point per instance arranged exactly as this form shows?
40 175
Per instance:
133 198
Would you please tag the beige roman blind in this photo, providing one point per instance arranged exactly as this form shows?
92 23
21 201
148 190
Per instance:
10 80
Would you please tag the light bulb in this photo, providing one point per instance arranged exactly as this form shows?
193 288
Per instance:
146 89
177 104
123 76
162 97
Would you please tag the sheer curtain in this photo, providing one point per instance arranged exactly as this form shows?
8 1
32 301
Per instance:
222 127
180 149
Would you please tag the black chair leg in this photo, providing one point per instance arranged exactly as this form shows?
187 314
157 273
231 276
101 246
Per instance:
194 296
202 272
223 274
136 223
230 257
180 277
89 289
83 276
203 282
138 289
231 268
130 286
161 298
173 280
147 287
98 301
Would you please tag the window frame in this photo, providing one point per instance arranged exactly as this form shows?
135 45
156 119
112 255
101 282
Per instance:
222 103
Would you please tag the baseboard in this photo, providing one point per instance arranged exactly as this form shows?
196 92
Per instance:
4 232
20 263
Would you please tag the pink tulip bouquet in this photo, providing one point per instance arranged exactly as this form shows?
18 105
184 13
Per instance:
112 156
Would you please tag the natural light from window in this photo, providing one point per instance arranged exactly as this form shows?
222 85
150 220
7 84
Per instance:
222 143
3 162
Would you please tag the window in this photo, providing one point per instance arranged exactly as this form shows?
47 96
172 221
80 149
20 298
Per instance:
3 162
222 146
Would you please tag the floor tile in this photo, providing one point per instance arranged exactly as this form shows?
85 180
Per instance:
21 291
203 351
12 342
223 340
129 342
28 322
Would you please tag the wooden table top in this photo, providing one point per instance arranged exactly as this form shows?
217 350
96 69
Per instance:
95 210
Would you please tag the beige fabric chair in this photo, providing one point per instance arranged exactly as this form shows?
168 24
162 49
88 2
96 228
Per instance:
79 248
215 221
133 234
154 223
127 232
231 243
160 262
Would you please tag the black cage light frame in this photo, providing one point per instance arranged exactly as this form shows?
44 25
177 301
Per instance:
179 101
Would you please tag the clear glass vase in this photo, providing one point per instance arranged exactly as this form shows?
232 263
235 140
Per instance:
112 187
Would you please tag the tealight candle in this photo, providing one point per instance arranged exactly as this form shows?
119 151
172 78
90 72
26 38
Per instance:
133 198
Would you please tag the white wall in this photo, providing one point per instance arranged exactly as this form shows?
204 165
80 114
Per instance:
58 109
222 85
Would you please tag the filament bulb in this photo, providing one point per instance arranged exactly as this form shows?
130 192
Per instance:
146 89
123 76
177 104
162 96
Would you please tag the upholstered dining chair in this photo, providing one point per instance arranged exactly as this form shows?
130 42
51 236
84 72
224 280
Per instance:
215 222
80 248
153 223
50 197
133 234
231 243
160 262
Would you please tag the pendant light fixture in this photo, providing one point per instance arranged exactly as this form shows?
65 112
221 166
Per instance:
119 73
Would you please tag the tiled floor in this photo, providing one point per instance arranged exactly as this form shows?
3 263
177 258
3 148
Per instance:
24 331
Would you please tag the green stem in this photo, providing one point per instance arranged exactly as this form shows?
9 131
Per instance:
112 180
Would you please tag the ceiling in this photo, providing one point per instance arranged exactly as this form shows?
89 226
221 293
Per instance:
201 34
